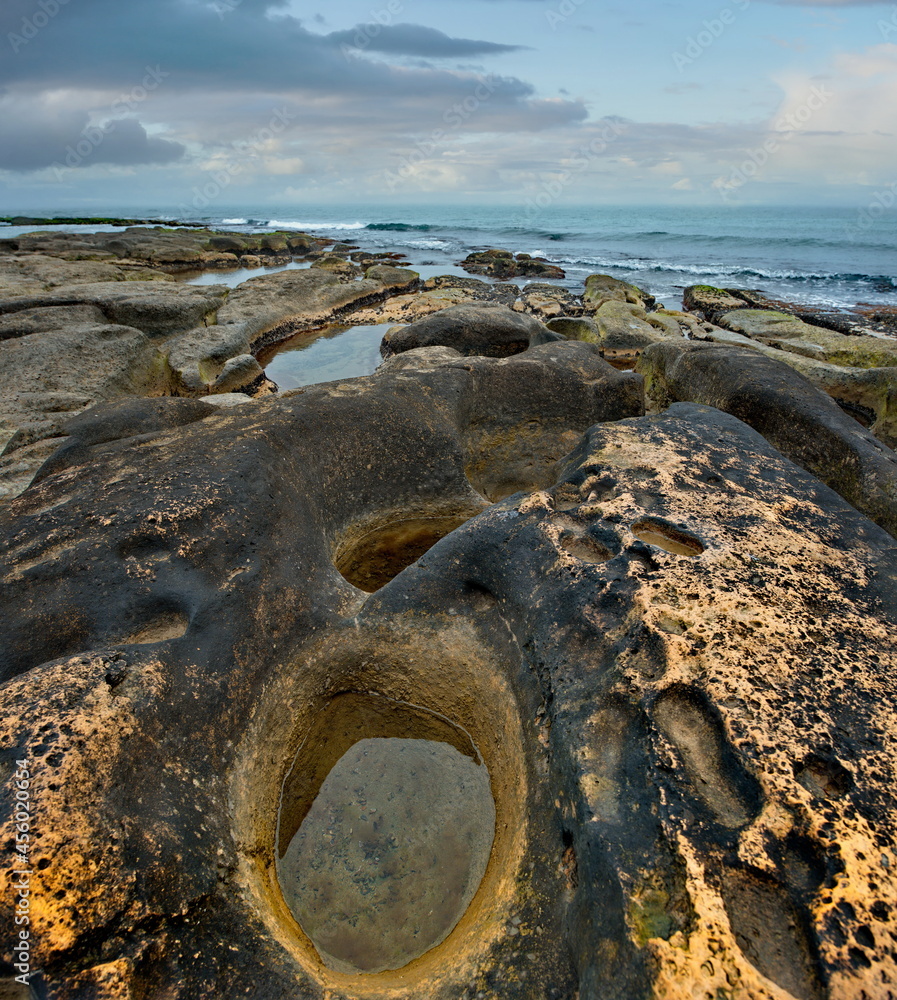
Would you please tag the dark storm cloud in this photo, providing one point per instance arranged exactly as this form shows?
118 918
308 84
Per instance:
213 69
230 43
416 40
33 137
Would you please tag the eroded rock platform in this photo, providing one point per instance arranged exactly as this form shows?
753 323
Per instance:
671 642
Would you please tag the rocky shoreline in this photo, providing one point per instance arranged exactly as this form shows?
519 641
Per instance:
644 557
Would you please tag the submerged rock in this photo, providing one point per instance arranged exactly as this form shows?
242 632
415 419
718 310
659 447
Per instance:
407 826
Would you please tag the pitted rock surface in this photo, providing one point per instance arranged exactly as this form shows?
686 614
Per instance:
673 647
801 421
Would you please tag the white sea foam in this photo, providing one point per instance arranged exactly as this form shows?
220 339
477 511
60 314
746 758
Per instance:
277 224
234 222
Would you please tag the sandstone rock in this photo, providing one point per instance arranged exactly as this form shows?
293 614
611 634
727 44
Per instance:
301 244
46 376
239 374
548 301
273 306
125 420
710 303
793 415
197 358
668 320
484 329
47 319
64 350
140 248
601 288
419 358
691 752
276 243
338 265
863 319
178 257
790 334
229 244
35 274
576 328
536 268
479 290
402 278
867 394
216 260
158 310
624 330
227 399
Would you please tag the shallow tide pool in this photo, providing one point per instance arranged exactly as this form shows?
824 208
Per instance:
390 854
339 352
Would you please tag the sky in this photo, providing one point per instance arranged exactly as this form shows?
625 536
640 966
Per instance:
182 104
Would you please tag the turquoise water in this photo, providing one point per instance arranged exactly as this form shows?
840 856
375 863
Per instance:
822 256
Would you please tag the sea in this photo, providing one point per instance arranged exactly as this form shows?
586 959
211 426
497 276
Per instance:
824 256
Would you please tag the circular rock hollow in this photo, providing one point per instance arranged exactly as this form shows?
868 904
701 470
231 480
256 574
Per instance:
390 853
385 830
370 556
353 691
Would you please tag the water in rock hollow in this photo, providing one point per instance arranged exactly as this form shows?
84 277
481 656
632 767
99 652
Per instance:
390 854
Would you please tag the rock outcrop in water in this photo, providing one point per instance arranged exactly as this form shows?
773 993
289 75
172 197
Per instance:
671 644
169 250
503 264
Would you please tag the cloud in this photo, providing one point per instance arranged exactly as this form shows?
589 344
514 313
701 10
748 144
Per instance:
415 40
105 43
35 134
219 70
